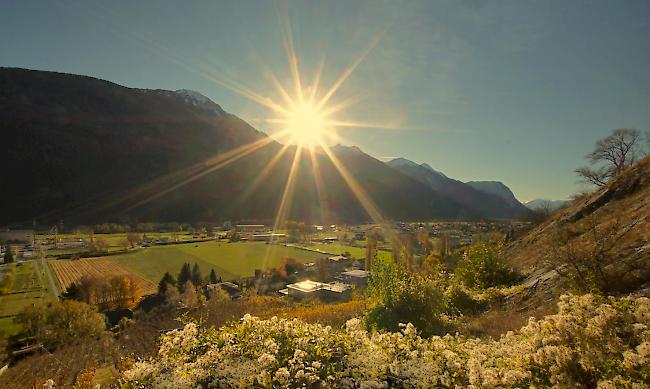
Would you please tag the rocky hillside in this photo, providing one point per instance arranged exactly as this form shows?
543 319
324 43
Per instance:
606 233
543 204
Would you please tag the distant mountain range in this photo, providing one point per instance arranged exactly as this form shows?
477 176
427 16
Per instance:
551 205
496 188
87 150
489 199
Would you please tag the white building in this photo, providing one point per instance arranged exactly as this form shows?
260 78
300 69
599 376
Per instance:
267 237
356 277
250 228
326 290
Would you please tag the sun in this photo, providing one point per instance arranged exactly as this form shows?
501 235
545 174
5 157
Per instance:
306 125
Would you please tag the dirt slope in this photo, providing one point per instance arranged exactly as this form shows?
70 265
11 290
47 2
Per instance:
616 216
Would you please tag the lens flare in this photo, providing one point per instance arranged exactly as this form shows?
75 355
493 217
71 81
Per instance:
305 115
306 125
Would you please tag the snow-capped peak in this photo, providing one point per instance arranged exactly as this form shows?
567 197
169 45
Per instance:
406 162
198 100
428 167
401 162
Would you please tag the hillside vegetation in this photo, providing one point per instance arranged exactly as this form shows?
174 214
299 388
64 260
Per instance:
598 243
581 346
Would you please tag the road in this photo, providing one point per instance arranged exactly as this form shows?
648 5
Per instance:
50 277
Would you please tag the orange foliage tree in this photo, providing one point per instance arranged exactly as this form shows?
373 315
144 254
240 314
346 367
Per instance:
120 291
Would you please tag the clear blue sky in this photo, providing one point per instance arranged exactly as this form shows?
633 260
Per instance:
516 91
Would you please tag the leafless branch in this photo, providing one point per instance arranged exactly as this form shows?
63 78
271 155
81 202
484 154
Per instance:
613 154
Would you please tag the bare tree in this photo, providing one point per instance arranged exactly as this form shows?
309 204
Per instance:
102 244
542 213
133 238
613 154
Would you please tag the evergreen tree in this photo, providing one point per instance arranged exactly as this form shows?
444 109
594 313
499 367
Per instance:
165 282
197 279
213 277
184 276
9 256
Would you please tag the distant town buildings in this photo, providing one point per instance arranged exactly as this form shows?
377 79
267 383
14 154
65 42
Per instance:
20 242
17 236
267 237
356 277
233 290
250 228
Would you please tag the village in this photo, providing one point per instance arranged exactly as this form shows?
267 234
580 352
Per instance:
320 263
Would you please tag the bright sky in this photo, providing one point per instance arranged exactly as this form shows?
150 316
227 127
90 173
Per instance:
516 91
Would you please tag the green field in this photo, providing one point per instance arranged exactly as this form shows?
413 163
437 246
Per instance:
229 260
29 288
338 249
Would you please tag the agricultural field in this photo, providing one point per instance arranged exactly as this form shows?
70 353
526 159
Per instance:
338 249
29 288
229 260
69 271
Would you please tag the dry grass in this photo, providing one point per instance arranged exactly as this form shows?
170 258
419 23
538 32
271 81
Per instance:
334 315
626 200
498 321
141 339
63 365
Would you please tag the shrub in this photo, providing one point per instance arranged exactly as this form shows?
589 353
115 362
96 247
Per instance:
588 255
482 266
61 322
8 279
233 236
462 302
396 296
335 315
9 256
590 342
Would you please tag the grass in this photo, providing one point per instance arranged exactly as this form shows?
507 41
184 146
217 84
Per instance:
30 288
229 260
356 252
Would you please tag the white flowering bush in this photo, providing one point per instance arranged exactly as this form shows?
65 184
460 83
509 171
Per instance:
591 342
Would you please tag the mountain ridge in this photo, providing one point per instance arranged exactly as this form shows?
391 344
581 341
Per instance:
551 205
487 205
109 152
496 188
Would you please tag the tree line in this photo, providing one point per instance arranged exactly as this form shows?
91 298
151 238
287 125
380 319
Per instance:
118 291
183 288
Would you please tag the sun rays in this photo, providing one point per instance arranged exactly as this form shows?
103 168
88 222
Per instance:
305 114
307 119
